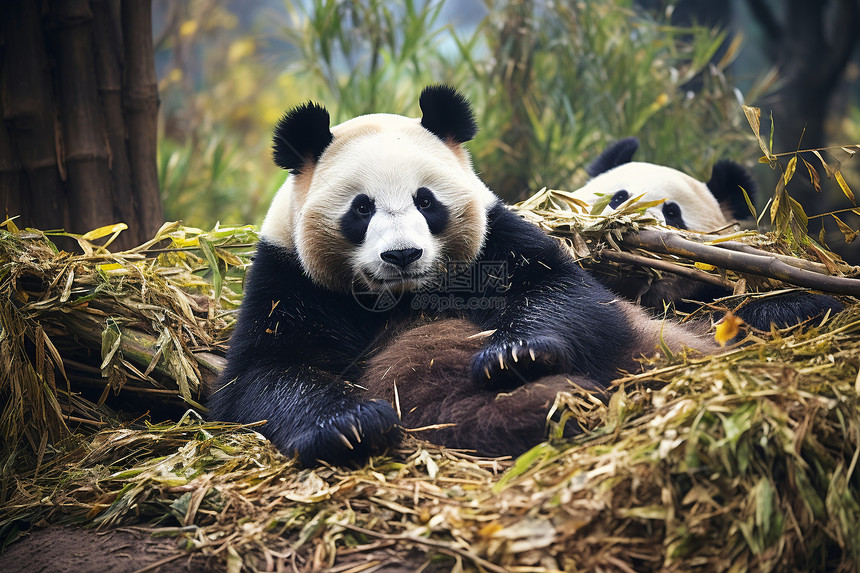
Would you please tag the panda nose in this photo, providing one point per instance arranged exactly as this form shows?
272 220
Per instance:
401 257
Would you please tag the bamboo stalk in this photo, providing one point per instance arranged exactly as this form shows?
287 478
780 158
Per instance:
140 99
108 61
762 265
86 154
666 266
29 112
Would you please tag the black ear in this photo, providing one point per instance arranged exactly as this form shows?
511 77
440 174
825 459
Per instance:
616 154
447 114
727 178
301 135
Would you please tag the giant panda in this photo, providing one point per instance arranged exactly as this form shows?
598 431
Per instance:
687 203
385 204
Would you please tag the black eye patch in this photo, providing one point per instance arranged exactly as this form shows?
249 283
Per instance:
433 210
619 198
674 217
354 223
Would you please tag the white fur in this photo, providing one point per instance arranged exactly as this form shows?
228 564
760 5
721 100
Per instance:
388 158
699 209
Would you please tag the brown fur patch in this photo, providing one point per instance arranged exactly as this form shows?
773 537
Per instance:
325 253
464 236
429 366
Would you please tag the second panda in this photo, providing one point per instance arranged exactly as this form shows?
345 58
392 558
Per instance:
385 204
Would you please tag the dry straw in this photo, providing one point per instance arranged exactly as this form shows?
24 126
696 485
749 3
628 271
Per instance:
743 461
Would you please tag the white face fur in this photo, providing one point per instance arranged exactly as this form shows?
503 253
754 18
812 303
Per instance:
385 165
687 200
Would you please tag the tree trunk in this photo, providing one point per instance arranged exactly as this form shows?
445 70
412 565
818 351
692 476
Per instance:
78 98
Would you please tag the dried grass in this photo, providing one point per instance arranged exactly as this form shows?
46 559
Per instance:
744 461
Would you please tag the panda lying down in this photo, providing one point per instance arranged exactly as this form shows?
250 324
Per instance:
388 205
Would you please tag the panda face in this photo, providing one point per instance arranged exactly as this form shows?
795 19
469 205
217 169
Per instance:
687 202
387 205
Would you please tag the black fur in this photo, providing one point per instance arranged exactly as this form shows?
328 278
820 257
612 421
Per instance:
616 154
434 211
786 309
447 114
296 345
354 222
301 136
727 179
673 215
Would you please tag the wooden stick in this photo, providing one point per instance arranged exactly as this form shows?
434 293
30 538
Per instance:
661 265
760 265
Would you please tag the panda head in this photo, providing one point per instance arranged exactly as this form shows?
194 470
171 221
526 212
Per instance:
381 199
688 203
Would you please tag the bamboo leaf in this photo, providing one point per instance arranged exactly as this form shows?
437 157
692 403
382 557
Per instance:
212 258
753 115
813 175
750 205
827 169
849 233
104 231
844 185
790 169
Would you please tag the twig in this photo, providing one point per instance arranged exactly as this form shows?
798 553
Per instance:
430 543
661 265
761 265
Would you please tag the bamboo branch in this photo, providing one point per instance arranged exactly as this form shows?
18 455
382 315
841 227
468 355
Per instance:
760 265
665 266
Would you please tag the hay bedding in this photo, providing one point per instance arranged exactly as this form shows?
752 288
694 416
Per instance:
744 461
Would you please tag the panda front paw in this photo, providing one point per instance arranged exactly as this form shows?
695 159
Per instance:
351 435
512 363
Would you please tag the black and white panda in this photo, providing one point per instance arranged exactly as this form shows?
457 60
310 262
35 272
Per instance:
688 203
391 205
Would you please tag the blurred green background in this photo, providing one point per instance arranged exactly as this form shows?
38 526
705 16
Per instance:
552 83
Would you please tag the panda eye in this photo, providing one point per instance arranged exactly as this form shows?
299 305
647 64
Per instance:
424 199
362 205
673 216
619 198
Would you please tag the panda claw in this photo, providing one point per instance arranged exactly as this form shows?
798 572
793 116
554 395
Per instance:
487 372
345 441
514 354
357 435
532 354
501 361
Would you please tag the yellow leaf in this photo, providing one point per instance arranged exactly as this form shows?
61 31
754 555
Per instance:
789 170
489 530
727 328
813 175
754 118
844 186
110 267
849 233
188 27
704 266
104 231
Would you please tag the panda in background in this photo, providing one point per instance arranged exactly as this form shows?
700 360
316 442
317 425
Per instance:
710 207
384 204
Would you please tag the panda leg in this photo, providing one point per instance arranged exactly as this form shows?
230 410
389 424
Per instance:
309 414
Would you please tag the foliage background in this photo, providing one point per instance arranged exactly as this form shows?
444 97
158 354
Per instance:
552 82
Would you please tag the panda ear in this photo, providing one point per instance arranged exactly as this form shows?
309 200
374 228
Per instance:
447 114
727 177
301 136
616 154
